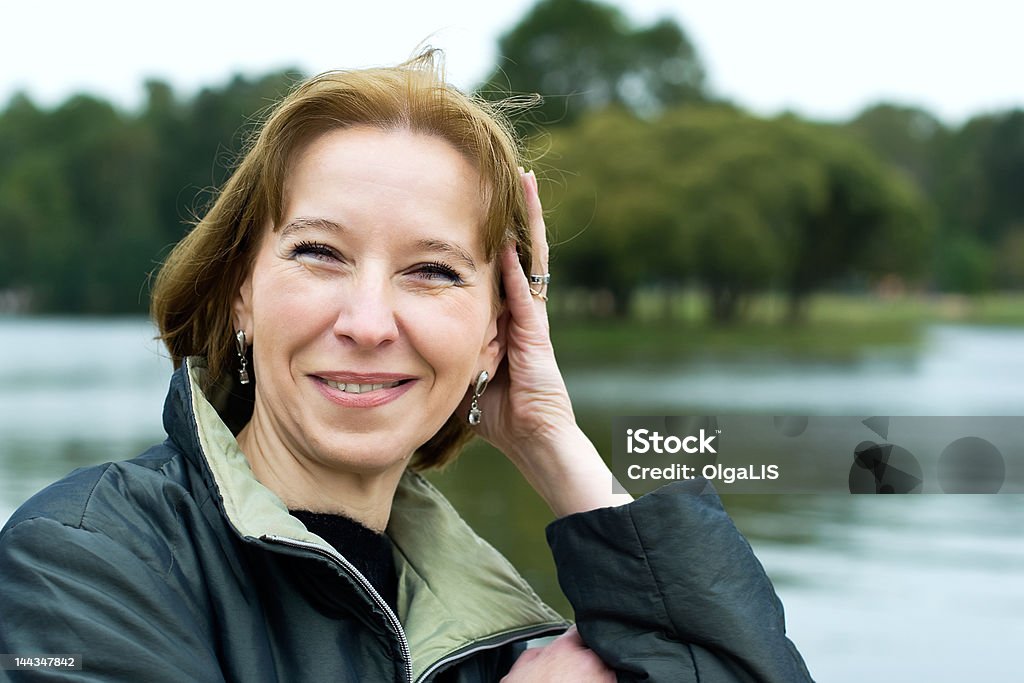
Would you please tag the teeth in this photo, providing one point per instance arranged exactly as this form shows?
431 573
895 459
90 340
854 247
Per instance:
359 388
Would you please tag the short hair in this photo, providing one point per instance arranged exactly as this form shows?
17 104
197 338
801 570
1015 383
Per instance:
193 294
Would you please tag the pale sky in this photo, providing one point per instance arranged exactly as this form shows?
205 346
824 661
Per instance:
825 59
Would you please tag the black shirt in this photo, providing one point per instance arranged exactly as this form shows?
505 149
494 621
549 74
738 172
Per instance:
367 550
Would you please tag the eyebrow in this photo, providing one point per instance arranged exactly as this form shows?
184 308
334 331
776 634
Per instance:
452 251
447 249
303 223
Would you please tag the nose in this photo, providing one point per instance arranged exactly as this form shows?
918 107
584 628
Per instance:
367 313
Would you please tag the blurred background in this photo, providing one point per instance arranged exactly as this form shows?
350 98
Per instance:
788 208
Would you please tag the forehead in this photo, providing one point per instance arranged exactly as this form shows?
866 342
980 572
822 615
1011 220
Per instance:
366 172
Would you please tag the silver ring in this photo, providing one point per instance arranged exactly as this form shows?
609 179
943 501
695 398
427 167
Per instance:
543 281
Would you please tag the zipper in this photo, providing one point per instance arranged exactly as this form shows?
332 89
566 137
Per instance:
332 554
524 634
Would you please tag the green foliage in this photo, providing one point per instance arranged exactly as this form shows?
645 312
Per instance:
75 176
869 219
36 222
972 179
735 203
201 139
908 138
1009 261
582 55
965 265
91 196
1001 162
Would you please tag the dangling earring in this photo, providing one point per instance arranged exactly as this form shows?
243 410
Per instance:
243 371
474 409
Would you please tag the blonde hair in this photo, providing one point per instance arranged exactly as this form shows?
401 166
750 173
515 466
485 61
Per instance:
192 297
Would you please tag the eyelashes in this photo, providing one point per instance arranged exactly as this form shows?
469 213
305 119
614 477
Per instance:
318 249
435 270
431 271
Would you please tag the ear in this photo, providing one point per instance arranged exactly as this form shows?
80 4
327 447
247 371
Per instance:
495 343
242 308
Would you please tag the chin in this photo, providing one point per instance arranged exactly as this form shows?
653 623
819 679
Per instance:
362 461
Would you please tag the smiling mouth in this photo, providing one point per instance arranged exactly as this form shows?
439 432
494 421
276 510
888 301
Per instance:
361 388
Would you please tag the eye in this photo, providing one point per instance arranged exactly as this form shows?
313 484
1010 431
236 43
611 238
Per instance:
441 272
315 250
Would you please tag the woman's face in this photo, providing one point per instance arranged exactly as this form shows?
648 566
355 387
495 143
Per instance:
370 309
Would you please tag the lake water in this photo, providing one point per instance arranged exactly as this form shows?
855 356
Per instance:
879 588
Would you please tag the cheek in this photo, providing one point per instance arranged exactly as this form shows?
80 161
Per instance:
450 334
290 309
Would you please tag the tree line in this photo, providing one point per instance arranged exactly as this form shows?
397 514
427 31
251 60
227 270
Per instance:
653 183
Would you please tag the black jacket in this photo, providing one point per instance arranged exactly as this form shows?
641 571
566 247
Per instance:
179 565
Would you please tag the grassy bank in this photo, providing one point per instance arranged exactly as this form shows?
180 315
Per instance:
836 326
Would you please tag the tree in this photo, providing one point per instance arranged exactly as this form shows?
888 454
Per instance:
582 55
201 138
743 201
738 203
868 218
90 196
909 138
980 202
1002 167
1009 263
77 205
614 216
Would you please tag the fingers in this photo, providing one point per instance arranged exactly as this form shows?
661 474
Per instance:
538 237
528 312
571 638
565 659
517 290
530 655
538 231
586 662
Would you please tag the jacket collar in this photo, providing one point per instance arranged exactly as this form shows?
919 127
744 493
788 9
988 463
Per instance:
455 590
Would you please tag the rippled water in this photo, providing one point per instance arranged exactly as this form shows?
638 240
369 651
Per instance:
957 371
876 588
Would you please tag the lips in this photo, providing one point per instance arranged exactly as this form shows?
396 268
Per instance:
362 390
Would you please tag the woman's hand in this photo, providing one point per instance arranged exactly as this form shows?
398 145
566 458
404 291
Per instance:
565 659
526 402
527 413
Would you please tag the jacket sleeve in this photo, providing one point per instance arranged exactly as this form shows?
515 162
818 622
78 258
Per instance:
667 589
68 590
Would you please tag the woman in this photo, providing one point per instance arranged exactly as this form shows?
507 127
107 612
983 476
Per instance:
336 320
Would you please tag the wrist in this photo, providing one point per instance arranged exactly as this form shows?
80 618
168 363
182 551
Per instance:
567 471
551 447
